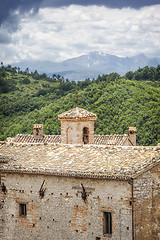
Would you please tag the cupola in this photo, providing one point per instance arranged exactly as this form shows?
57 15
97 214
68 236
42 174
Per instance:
77 126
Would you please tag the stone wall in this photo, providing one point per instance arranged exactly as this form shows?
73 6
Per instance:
62 213
147 205
72 131
2 201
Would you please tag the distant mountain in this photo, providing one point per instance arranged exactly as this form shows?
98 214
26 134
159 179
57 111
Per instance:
89 66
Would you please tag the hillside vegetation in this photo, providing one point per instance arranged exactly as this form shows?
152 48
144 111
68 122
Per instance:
119 102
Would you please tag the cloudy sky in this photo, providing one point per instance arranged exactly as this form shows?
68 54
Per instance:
56 30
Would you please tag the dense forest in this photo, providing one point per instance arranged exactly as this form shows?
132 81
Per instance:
27 98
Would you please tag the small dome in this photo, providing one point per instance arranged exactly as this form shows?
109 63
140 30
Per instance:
77 113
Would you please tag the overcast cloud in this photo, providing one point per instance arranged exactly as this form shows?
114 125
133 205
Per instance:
46 31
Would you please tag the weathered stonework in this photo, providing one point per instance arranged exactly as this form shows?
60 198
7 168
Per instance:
72 131
132 135
77 126
92 187
62 213
147 205
49 180
38 130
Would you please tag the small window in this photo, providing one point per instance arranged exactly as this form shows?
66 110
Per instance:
37 131
22 209
85 135
107 222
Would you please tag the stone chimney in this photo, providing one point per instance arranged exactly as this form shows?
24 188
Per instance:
38 130
132 135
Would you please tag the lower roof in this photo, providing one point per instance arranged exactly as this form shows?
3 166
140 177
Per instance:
98 139
92 161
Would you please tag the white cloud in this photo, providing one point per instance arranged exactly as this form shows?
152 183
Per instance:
60 33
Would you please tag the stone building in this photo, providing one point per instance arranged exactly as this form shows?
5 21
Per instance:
68 187
77 127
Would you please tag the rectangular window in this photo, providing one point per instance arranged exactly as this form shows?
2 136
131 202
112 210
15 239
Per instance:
22 209
107 222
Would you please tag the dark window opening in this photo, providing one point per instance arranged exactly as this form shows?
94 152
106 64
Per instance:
107 222
22 209
37 131
85 135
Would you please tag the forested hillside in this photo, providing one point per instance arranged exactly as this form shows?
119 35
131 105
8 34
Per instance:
119 102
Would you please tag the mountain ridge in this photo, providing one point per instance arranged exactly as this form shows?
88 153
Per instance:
89 65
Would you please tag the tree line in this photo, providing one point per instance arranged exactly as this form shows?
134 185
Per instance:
119 102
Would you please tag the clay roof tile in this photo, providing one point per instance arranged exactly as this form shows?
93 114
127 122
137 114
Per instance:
77 113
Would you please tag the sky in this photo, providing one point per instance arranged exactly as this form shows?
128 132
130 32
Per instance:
56 30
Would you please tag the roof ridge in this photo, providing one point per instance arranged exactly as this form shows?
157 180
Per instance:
77 113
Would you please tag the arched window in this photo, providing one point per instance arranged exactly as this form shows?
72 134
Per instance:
37 131
67 135
85 135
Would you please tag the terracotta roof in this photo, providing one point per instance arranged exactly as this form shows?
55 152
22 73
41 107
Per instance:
98 139
92 161
27 138
117 140
77 113
4 159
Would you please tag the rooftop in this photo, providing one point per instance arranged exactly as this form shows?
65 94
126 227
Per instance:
98 139
95 161
77 113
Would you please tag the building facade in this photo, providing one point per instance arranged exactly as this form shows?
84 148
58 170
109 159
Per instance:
79 190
